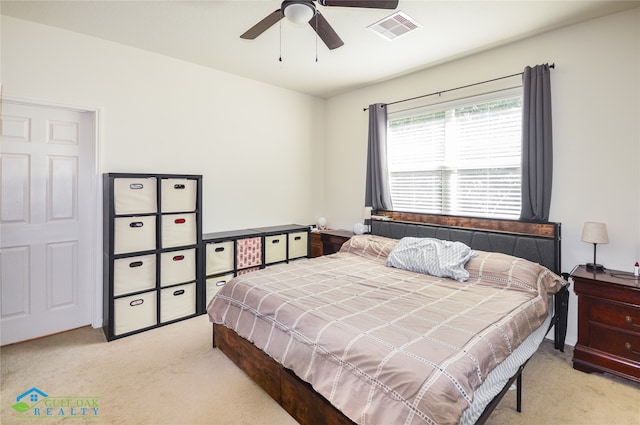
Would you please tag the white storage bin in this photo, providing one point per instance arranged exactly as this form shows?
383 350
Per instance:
135 195
134 234
298 245
275 248
178 195
178 230
134 274
215 284
177 301
219 257
177 267
135 312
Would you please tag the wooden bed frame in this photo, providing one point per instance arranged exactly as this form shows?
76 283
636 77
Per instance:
308 407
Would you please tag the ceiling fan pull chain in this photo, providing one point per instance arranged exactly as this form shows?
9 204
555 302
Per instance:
316 16
280 57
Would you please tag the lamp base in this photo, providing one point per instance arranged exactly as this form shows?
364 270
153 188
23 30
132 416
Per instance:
594 267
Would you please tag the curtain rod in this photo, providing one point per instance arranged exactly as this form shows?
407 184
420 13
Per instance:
553 65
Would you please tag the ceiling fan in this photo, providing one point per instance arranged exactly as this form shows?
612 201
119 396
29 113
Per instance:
301 11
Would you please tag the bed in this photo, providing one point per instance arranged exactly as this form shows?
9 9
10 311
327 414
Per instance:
346 338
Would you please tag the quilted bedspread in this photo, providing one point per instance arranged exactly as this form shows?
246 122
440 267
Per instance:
386 345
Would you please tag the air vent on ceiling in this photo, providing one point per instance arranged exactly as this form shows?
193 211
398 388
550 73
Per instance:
395 25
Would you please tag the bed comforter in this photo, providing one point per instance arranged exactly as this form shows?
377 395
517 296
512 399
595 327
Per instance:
386 345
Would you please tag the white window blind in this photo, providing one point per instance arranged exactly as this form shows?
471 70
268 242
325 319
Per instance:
459 158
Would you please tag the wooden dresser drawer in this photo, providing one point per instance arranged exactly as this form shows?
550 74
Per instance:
316 244
615 342
616 314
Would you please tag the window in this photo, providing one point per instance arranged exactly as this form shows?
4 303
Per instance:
459 158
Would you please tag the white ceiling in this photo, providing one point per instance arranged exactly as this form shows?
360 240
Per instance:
208 33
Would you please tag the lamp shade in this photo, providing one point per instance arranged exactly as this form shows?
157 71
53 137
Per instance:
366 213
594 232
299 13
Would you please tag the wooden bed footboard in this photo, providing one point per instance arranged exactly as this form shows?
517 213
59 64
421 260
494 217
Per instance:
295 396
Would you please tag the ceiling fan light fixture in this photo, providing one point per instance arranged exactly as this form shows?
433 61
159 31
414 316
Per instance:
299 12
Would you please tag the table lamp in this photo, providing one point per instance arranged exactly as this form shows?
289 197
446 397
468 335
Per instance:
366 218
594 233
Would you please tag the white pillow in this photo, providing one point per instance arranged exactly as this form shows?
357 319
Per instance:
432 256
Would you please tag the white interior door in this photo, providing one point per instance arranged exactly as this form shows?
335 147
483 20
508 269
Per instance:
47 236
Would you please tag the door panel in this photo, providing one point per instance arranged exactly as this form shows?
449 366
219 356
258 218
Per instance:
15 270
47 227
62 280
63 180
15 190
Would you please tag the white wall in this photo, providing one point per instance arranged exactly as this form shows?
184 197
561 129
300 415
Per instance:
596 129
252 142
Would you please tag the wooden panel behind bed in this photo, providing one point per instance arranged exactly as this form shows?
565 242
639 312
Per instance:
296 396
547 230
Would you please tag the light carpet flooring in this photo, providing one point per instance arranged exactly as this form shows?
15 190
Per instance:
172 375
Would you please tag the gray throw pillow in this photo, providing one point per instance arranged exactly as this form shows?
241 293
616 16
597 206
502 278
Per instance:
432 256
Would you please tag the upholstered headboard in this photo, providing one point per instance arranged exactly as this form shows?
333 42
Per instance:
525 240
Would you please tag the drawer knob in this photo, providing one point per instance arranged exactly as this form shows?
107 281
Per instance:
630 321
627 345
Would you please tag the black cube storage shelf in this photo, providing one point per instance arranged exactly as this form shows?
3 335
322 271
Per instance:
230 253
152 251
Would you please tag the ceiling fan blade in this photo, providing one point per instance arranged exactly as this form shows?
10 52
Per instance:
263 25
325 32
371 4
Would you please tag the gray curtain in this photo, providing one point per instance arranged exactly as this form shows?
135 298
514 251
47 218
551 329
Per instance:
537 146
377 193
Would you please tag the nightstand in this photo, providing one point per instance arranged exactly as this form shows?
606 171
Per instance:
327 242
608 322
